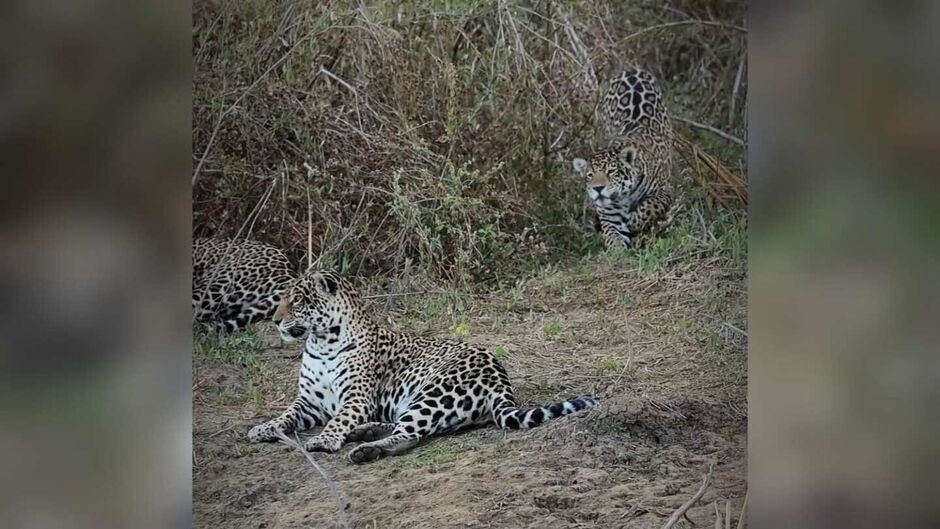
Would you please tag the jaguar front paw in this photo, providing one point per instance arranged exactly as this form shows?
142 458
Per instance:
323 443
267 432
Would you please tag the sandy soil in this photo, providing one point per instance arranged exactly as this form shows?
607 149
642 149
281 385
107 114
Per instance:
665 355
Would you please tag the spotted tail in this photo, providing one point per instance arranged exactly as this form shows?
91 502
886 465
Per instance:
509 417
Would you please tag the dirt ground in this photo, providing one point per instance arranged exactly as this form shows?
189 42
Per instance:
665 354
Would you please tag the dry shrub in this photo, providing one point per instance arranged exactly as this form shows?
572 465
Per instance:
428 137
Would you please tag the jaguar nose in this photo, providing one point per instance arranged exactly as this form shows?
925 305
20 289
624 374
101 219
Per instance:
598 189
296 331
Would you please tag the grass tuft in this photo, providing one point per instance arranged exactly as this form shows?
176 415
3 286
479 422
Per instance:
553 330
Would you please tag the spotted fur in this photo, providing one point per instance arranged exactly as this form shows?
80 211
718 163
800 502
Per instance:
237 283
388 390
629 183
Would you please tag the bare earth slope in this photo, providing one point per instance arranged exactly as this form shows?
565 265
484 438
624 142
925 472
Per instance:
665 355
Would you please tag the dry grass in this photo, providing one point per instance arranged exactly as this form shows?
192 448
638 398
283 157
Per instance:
434 139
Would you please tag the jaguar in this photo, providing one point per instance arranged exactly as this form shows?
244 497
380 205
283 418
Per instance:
629 182
384 389
237 282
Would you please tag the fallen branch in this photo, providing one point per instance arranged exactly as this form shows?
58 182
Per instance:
725 178
340 500
685 506
395 294
711 129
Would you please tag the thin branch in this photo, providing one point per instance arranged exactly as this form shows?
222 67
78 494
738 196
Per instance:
340 500
347 86
711 129
310 173
215 132
734 91
733 328
685 506
395 295
743 512
679 23
587 67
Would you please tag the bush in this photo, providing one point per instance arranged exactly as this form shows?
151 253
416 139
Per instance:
433 138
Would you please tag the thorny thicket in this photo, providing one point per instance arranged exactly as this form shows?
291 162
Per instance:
434 139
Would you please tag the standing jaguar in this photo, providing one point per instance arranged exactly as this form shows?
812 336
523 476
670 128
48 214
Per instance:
629 183
237 283
388 390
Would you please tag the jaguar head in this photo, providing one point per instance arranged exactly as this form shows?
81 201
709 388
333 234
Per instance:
612 173
318 303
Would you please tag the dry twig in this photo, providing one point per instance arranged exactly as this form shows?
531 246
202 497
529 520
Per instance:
734 91
726 179
680 23
340 500
743 513
685 506
711 129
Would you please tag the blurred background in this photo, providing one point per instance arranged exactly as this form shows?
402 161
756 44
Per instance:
844 364
95 103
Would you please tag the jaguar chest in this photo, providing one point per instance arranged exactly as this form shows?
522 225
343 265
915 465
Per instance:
324 378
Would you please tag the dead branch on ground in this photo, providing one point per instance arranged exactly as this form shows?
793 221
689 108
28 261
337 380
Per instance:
725 179
685 506
340 499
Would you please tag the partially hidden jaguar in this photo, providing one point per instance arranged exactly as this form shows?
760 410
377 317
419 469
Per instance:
629 182
237 282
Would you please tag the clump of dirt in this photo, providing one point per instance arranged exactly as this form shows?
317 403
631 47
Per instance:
672 403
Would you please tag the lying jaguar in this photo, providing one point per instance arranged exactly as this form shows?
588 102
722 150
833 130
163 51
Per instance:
388 390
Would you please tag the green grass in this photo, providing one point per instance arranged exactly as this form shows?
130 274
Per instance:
243 351
240 348
501 352
435 454
461 328
433 306
610 365
553 330
699 231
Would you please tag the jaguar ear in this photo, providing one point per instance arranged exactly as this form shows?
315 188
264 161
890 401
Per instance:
580 165
628 154
326 282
